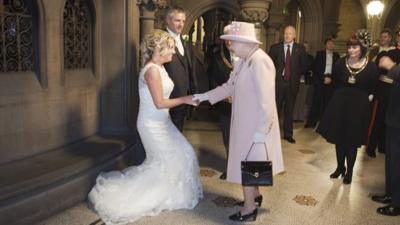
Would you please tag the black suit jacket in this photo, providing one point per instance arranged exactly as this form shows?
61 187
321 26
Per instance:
219 73
182 72
320 63
393 109
298 64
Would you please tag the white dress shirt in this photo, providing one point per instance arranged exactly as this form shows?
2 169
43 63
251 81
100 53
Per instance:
285 46
386 49
328 62
178 41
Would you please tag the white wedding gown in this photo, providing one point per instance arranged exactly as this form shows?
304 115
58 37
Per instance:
167 180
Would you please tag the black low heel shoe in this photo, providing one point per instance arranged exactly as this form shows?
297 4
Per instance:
244 218
258 200
347 178
338 172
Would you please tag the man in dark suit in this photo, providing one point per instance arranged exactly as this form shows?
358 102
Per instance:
385 44
381 98
290 60
182 67
323 88
392 157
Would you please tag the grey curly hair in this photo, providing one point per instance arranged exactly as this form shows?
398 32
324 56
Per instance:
157 39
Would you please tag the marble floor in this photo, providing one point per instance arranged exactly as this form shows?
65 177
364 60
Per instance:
303 194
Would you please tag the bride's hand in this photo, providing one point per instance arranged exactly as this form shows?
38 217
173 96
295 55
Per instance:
189 100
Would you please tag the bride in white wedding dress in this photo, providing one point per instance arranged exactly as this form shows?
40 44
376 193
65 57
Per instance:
169 177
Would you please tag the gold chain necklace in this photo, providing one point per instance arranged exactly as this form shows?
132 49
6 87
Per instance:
353 73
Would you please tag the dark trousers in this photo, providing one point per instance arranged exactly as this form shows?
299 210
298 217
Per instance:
285 99
392 161
321 97
377 137
378 134
225 122
347 154
178 115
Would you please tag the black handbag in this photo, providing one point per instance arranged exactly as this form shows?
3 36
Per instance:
256 173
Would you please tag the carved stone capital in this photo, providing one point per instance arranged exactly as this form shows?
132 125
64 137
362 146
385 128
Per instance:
254 15
152 5
255 10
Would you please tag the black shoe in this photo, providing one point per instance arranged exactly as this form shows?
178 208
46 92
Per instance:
384 199
347 178
371 154
257 200
244 218
223 176
338 172
389 210
290 139
309 125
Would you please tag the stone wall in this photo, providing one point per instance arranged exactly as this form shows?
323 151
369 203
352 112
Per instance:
351 18
53 107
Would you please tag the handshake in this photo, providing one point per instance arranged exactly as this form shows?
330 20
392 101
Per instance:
196 99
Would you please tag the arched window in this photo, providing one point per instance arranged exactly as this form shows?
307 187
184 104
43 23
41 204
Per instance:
16 39
77 35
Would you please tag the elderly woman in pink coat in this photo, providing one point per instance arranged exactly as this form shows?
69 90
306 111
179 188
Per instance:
254 115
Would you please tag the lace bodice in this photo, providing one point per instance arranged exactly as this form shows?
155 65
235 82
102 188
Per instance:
146 101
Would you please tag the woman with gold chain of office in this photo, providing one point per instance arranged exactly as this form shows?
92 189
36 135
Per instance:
346 118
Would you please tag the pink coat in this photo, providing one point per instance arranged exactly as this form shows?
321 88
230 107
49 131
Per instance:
252 87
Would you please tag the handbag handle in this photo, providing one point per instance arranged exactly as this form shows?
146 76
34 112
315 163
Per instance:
266 150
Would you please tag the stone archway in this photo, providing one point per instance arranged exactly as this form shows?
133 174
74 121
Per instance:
390 17
313 21
194 11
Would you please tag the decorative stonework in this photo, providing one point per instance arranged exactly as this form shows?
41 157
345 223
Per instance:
77 35
305 200
16 41
254 15
207 173
225 202
152 5
255 10
306 151
151 14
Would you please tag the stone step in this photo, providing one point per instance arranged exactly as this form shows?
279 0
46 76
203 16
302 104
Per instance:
36 187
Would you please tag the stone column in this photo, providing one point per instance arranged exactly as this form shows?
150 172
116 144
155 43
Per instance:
148 9
274 26
331 18
257 12
373 25
198 33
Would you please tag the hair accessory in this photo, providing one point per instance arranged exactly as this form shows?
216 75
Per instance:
364 37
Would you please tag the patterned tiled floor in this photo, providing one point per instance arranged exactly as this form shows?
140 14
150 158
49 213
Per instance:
304 194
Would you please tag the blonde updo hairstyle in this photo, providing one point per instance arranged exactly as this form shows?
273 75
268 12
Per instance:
158 39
